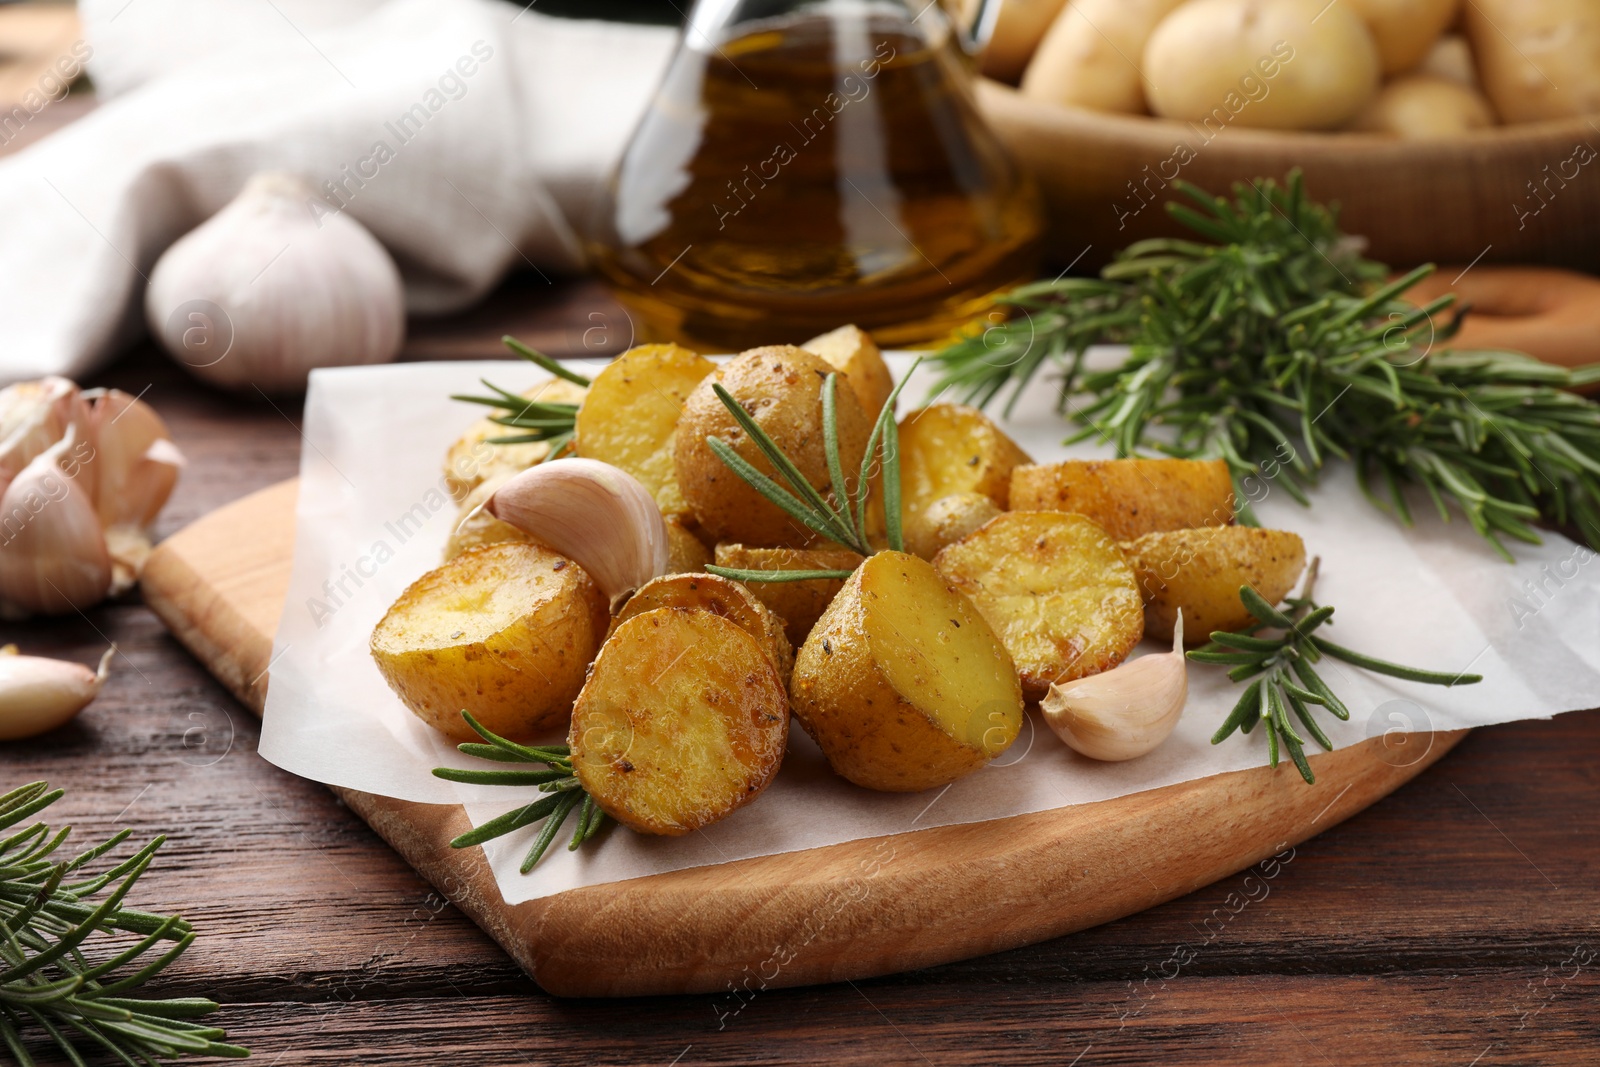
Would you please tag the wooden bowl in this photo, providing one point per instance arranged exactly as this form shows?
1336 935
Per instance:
1506 195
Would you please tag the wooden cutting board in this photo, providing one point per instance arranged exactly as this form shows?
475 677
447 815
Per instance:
846 911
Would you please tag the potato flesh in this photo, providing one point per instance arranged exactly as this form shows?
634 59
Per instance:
630 417
1057 590
722 597
1200 571
798 604
1130 497
853 353
945 450
948 520
683 720
686 553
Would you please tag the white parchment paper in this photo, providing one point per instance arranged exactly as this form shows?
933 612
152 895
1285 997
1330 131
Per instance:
374 513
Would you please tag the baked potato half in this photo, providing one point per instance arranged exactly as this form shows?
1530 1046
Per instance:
798 604
1130 497
1200 571
472 460
948 520
686 553
476 528
853 353
946 449
720 596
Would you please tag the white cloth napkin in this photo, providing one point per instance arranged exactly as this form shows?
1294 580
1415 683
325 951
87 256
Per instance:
498 126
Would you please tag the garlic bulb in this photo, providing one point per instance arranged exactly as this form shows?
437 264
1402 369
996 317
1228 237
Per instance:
272 286
1126 711
37 694
74 517
597 515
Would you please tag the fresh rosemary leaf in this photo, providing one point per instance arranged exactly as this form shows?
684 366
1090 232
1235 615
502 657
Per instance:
556 367
741 575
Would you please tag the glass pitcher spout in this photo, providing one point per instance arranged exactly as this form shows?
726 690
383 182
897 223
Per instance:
810 164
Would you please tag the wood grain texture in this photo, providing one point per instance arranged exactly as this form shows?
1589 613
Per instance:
852 910
1105 177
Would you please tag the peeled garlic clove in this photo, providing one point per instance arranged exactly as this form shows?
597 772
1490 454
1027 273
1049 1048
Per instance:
597 515
274 285
37 694
1124 712
34 416
135 464
53 556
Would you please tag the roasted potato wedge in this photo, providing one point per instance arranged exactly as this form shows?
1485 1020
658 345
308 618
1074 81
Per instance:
1130 497
630 417
781 388
475 528
902 683
505 632
1057 590
948 520
1201 570
798 604
683 720
853 353
720 596
947 449
473 460
686 553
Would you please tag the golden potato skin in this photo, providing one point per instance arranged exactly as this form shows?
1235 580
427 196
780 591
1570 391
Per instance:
781 387
798 604
720 596
1425 107
902 684
948 520
505 631
1057 590
1089 57
475 528
630 417
1537 60
686 553
1130 497
683 720
853 353
1405 30
947 449
473 460
1201 571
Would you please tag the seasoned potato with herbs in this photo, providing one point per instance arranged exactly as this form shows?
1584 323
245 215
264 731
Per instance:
798 604
947 449
948 520
781 387
630 418
683 720
686 553
853 353
1057 590
476 528
505 632
472 460
720 596
1200 571
1130 497
902 683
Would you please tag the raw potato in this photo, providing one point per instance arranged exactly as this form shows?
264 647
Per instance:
686 553
1271 64
1130 497
1404 30
854 354
1422 107
948 520
1537 60
505 632
630 418
476 528
902 684
720 596
947 449
472 459
683 720
1201 571
781 387
1057 590
1451 58
798 604
1090 56
1017 32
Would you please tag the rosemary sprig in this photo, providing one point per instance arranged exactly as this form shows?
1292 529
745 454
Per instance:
1278 347
557 780
542 420
1284 678
841 516
51 923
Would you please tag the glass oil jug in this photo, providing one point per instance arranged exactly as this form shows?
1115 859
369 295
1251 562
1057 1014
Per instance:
811 163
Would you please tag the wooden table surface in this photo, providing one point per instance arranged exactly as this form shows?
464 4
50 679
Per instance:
1456 922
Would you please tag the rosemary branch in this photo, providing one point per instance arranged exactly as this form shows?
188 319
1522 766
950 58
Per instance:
542 420
1284 676
51 923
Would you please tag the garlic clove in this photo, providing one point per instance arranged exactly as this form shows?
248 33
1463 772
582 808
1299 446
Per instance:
53 556
135 465
274 285
34 416
1124 712
37 694
597 515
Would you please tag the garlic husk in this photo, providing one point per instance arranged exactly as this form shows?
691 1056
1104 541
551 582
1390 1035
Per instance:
135 465
33 416
37 694
1124 712
597 515
53 555
274 285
